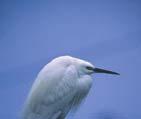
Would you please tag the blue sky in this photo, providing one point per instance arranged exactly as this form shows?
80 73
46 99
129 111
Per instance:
106 33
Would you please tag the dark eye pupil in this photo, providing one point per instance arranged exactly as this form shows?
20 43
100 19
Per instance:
89 68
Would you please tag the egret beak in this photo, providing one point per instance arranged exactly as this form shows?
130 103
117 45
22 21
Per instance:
98 70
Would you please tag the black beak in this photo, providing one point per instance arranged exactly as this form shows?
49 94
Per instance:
98 70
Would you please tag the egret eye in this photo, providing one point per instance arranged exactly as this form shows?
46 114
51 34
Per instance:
89 68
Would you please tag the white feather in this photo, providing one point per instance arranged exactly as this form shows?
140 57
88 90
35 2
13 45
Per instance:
59 87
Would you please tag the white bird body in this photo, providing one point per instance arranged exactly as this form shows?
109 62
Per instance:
60 87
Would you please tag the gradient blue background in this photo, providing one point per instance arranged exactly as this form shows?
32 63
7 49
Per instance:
106 33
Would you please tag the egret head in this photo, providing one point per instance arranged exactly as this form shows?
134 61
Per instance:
85 67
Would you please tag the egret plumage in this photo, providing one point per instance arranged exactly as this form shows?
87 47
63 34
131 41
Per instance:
60 87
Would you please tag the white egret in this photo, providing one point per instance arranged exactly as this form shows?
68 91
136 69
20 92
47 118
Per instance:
59 88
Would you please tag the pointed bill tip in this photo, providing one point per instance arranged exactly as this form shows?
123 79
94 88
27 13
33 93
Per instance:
115 73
